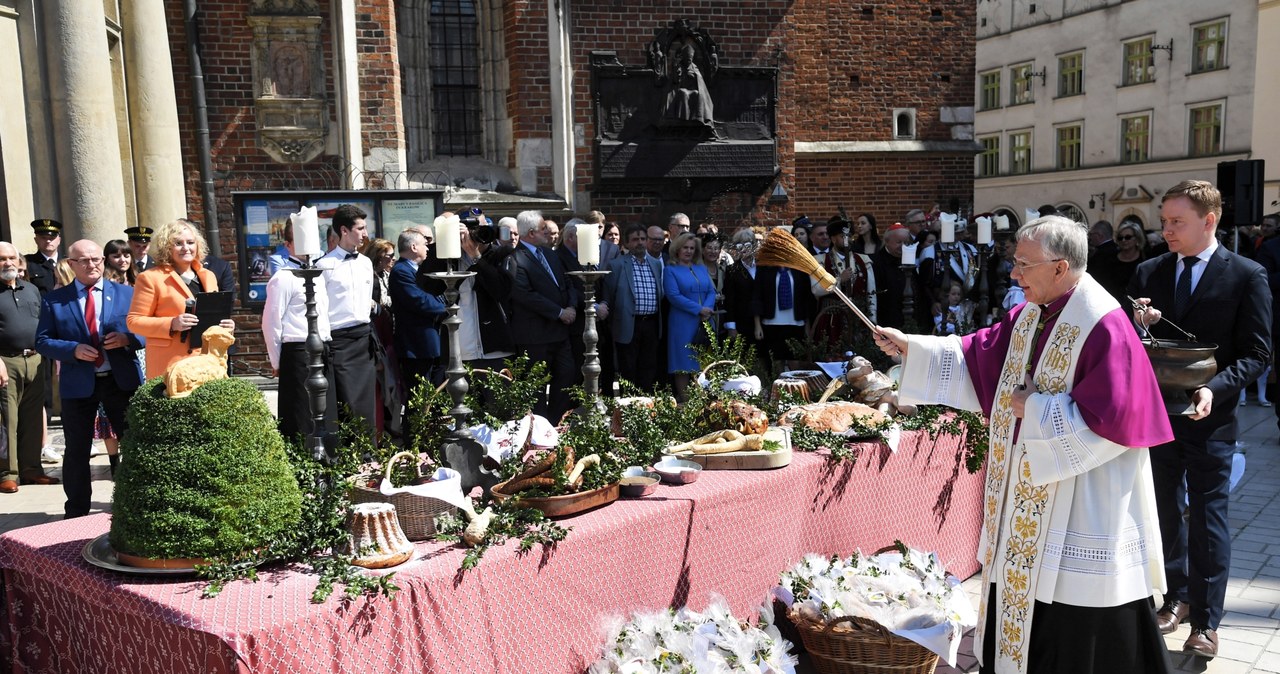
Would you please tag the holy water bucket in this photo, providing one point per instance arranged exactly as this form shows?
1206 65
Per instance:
1180 367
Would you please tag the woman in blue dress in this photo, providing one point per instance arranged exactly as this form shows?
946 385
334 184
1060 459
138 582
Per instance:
692 296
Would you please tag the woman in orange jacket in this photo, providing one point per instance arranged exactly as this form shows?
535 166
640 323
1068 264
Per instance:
160 294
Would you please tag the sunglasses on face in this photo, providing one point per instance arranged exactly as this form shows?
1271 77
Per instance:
1124 238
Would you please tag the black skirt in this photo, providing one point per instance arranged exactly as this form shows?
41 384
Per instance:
1088 640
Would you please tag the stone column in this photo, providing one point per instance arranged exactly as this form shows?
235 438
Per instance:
84 121
153 114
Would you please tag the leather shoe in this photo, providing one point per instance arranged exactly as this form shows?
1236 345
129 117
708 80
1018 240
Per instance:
1202 642
41 479
1172 614
8 487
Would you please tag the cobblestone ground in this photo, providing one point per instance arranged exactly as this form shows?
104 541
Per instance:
1250 633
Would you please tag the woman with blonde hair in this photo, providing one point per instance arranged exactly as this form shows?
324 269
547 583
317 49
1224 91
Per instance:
159 309
688 287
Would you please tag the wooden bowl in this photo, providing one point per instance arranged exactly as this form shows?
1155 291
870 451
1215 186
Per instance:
564 505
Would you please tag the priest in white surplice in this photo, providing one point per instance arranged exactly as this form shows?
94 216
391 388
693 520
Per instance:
1070 543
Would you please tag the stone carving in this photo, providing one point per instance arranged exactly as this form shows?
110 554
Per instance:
288 73
684 115
186 375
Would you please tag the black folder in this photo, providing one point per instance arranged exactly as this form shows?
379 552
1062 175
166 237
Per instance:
211 309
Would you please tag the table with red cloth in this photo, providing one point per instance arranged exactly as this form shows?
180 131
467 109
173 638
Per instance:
730 533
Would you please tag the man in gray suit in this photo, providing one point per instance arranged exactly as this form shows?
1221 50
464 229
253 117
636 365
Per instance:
633 295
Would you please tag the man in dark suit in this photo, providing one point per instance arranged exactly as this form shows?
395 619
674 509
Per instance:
543 309
784 306
416 313
139 240
41 264
632 299
1222 299
82 325
567 251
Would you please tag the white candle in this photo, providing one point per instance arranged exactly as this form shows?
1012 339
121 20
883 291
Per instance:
1002 223
948 227
909 254
448 239
588 244
306 232
984 231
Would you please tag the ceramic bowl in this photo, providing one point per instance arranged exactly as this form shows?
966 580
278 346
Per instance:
638 485
677 471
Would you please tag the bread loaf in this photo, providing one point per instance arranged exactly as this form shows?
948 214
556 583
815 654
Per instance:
832 416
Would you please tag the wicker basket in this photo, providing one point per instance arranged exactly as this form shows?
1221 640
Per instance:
851 645
417 514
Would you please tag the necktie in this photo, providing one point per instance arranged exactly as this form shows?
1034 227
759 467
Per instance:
545 265
1182 294
91 320
784 289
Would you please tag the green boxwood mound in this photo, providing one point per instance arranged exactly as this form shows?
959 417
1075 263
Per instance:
202 476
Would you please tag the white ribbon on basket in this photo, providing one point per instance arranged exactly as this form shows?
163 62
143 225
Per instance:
748 385
529 432
446 486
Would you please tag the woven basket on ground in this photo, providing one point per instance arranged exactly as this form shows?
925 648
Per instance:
417 514
850 645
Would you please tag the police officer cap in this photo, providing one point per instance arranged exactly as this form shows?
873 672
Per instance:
47 226
140 233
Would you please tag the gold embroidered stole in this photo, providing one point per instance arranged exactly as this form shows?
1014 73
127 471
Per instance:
1025 510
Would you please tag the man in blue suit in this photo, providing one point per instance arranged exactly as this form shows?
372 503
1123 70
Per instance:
82 325
416 313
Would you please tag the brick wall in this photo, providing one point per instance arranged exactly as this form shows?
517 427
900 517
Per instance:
887 185
238 164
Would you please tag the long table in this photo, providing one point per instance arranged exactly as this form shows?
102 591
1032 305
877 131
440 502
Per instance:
730 533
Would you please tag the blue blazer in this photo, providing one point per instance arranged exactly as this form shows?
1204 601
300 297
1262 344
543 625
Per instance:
416 313
62 329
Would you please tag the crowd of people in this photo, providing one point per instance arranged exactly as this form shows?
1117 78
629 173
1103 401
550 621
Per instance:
102 316
72 334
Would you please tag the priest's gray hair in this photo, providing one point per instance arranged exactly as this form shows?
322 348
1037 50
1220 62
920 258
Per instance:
1060 237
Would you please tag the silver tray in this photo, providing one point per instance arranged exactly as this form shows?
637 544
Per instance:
99 553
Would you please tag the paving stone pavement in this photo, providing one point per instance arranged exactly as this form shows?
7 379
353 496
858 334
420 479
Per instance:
1249 635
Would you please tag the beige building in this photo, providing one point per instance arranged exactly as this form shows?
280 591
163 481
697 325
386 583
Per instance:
1266 101
88 123
1098 106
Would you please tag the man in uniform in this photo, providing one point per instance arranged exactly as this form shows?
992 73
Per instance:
42 263
139 241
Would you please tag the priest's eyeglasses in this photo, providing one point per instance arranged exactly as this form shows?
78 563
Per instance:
1023 265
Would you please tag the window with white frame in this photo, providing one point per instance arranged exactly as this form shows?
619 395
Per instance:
1209 46
1205 130
1071 74
1139 65
1020 90
1020 151
1135 138
989 158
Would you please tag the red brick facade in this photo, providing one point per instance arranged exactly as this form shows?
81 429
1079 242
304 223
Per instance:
843 68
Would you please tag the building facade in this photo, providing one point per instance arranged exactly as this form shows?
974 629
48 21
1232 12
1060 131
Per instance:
1098 106
140 111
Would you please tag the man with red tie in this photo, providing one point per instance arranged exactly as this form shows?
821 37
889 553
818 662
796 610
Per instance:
82 325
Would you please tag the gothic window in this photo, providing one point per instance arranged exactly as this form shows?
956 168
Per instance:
455 78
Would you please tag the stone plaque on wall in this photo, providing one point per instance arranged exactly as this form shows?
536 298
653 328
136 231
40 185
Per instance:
291 108
683 115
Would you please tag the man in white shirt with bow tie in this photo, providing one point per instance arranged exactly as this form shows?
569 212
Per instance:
348 278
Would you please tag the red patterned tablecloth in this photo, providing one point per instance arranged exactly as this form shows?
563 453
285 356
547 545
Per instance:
729 533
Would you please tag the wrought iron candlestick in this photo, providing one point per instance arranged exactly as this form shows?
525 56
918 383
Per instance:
461 450
590 338
317 385
457 386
